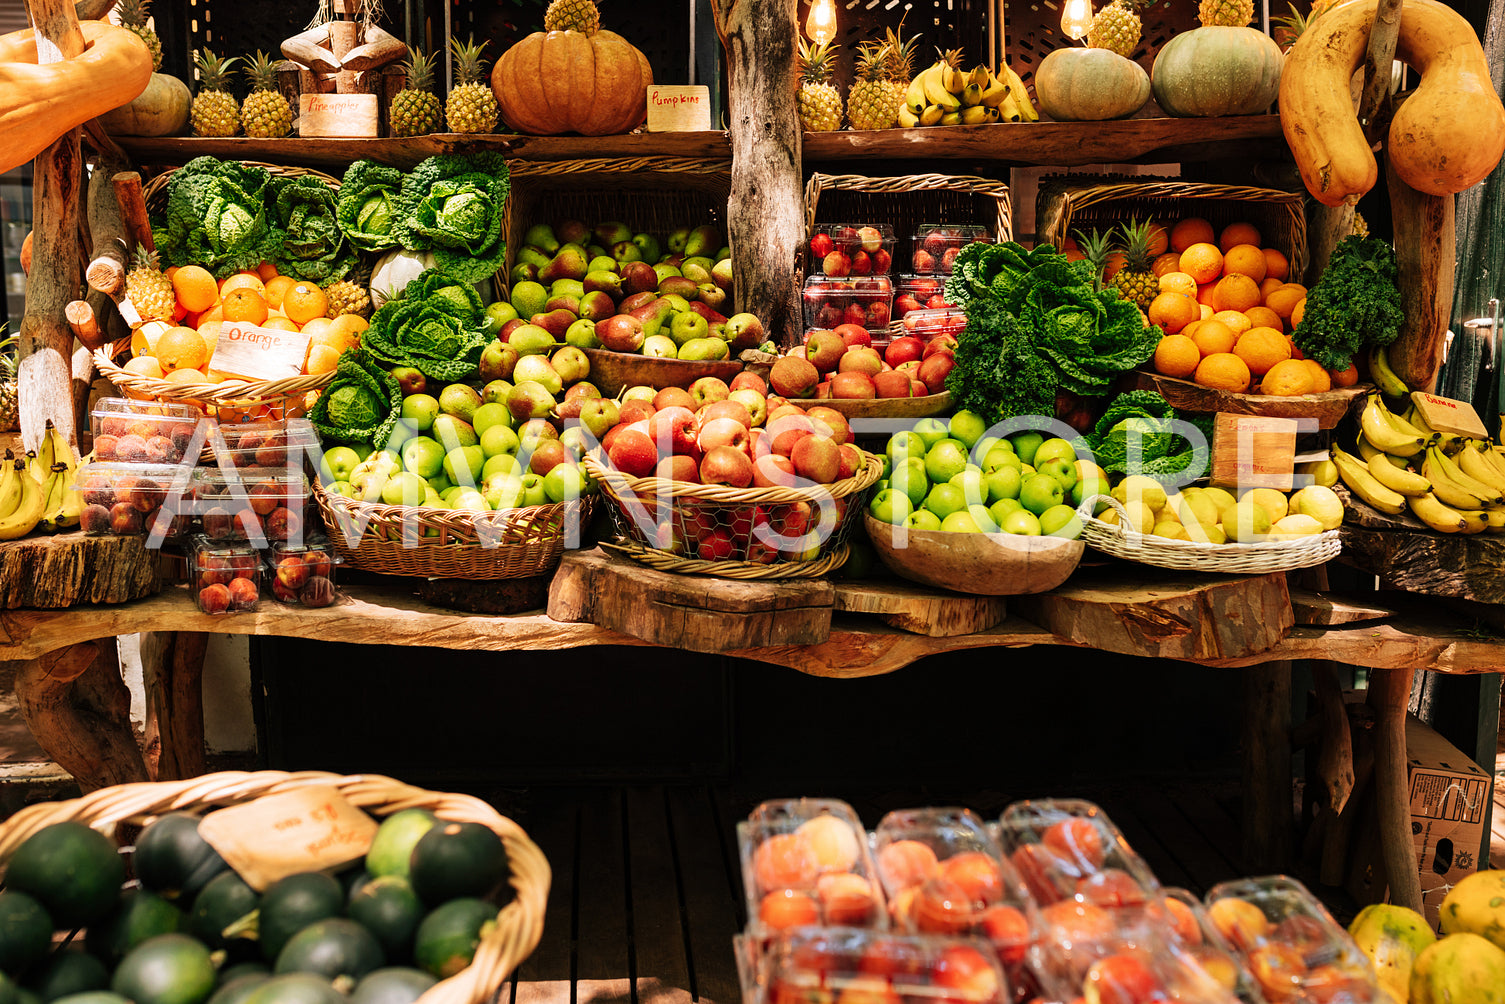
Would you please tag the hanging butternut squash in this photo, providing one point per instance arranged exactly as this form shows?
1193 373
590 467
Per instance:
38 103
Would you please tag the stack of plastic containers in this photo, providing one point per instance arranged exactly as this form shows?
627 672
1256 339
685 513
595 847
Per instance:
934 246
140 474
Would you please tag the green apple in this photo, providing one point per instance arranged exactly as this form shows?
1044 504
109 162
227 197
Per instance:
931 430
1063 470
945 499
337 464
909 477
1025 445
970 481
983 518
463 465
488 415
968 426
905 444
984 446
504 491
343 488
1022 522
469 498
453 432
421 410
499 464
564 482
1000 457
1000 510
533 490
1003 483
1061 521
1039 493
499 440
891 506
363 450
1055 449
688 326
1088 487
423 456
923 519
402 431
440 483
404 488
945 459
960 521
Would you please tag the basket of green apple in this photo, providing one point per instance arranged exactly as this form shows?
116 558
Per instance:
995 516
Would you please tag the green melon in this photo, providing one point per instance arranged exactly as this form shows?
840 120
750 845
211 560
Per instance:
393 985
142 914
290 904
455 860
297 988
172 859
446 940
25 931
68 972
73 871
226 900
332 948
390 909
167 969
236 991
392 847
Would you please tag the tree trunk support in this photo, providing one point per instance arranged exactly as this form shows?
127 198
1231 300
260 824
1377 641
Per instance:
78 709
175 705
1268 816
1389 696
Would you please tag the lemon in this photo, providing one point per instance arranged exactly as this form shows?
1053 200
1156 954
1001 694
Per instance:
1138 487
1220 499
1323 473
1172 531
1206 533
1295 525
1320 503
1141 516
1197 508
1270 500
1172 512
1246 522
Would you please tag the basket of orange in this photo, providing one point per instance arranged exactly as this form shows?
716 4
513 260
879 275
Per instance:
180 314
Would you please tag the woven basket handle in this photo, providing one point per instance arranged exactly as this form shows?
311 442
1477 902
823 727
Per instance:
1124 530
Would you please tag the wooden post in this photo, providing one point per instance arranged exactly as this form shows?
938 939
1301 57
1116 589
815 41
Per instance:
46 342
175 705
1326 226
1422 227
1268 817
768 228
1389 696
1378 59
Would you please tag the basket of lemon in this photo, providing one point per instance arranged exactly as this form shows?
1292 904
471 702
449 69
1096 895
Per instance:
1210 530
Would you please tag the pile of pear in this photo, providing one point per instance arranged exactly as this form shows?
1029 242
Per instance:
943 94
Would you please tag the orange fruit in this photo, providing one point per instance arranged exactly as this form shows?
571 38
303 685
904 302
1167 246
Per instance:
181 349
1223 371
1287 379
1172 311
186 376
1178 282
170 271
209 332
1236 320
1168 262
276 288
1345 378
1207 310
214 313
266 270
143 344
321 359
1202 261
1213 337
1245 259
1284 299
1269 286
1238 233
1264 317
1296 352
1322 382
1159 240
144 366
343 333
1191 329
245 304
1235 292
279 323
1204 292
1276 264
315 326
303 302
1177 356
1262 348
242 280
1298 312
1112 264
195 288
1192 230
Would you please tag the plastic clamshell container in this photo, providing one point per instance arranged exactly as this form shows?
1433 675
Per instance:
866 302
845 965
928 324
807 861
855 249
934 246
303 573
128 431
265 444
224 577
128 500
251 502
914 292
944 873
1290 944
1191 933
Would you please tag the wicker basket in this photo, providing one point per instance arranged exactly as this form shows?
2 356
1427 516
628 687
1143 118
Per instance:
653 194
429 542
1122 541
519 925
908 201
1066 204
696 508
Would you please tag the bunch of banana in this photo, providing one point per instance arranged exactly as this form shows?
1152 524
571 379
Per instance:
942 94
53 449
62 502
22 499
1385 378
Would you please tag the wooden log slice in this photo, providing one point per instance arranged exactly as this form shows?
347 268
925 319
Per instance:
697 613
1169 615
920 610
1436 564
71 568
486 596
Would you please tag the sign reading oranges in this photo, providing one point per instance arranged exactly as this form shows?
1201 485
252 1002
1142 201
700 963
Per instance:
252 352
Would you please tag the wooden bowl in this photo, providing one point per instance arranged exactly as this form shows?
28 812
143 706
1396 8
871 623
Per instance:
1328 408
987 564
885 407
612 372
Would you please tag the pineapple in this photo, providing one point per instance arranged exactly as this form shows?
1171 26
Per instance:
1360 226
819 101
900 65
1116 27
347 297
1096 249
215 111
572 15
471 106
415 109
1227 13
149 291
872 102
1290 28
133 15
10 402
266 112
1136 281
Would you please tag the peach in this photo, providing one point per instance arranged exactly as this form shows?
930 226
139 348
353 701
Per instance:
214 599
785 860
846 899
905 863
943 907
243 593
834 842
1078 840
977 874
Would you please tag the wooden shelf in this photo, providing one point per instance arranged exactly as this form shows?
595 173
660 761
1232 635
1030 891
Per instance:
1064 144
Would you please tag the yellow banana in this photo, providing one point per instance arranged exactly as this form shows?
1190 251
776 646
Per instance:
1477 520
10 486
936 92
1009 110
1436 515
1445 440
981 76
1385 378
1384 436
28 512
931 115
971 96
975 115
1368 451
1400 424
1363 484
1471 462
54 492
1491 456
1447 490
46 455
995 91
73 503
914 96
1021 95
907 118
1397 480
1496 518
1451 472
62 450
955 80
951 118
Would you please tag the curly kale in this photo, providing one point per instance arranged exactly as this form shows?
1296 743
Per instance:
1355 303
313 246
436 326
452 205
216 217
998 374
368 206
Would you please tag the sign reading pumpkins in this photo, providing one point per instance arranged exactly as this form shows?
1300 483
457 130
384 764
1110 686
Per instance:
253 353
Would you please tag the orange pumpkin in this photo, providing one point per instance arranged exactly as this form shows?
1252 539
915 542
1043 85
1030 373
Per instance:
567 81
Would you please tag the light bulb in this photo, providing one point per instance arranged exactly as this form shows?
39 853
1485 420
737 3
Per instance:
820 25
1076 18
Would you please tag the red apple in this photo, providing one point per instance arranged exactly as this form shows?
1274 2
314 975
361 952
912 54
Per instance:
850 461
716 545
836 264
725 409
906 303
816 458
673 430
633 453
788 430
673 397
878 314
823 391
924 261
903 349
748 380
831 423
680 467
821 245
863 360
726 465
934 369
856 314
862 263
723 432
918 389
793 376
708 390
771 470
853 387
882 261
892 383
823 348
636 410
939 343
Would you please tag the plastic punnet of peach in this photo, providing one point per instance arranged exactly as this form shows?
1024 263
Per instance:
804 856
862 966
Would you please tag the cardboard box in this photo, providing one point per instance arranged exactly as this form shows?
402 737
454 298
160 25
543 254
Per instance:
1449 795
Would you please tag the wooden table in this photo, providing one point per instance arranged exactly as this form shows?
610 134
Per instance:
1244 622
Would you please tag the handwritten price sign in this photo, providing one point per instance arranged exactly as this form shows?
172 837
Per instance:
679 108
311 829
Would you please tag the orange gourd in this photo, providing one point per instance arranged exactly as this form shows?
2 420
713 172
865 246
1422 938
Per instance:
38 103
567 81
1446 136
